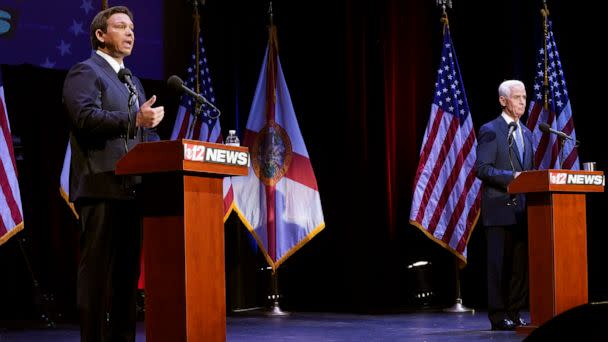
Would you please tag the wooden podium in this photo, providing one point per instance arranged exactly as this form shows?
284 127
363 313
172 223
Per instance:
183 211
557 238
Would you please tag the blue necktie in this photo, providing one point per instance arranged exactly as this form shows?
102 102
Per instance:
520 143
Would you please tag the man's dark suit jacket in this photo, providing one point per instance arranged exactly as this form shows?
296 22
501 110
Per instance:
97 105
494 169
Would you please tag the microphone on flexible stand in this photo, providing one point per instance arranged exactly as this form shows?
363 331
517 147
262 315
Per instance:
125 76
178 86
547 129
544 127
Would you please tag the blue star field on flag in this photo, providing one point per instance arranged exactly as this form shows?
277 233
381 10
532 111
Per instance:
449 92
209 114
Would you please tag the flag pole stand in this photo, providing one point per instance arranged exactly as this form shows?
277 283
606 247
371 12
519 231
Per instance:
458 307
275 308
43 300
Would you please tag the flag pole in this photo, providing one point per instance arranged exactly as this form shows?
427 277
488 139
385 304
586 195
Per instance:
545 13
196 33
44 301
275 308
458 307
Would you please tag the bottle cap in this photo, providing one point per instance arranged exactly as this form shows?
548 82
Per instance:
590 166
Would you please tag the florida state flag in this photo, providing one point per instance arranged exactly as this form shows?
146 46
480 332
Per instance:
279 200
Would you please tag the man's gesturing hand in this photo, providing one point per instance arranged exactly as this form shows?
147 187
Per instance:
149 117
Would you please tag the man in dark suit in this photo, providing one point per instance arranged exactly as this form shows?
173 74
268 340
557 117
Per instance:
504 150
103 128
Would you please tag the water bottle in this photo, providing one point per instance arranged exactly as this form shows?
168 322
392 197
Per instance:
232 139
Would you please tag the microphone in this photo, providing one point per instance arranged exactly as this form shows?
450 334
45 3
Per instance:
125 76
545 128
178 86
512 128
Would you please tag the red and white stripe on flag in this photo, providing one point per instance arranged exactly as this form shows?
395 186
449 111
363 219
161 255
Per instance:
10 197
278 201
447 194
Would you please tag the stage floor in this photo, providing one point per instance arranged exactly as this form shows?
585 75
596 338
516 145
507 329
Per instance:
434 326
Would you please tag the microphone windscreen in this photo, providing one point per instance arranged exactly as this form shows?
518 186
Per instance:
175 83
513 125
544 127
123 73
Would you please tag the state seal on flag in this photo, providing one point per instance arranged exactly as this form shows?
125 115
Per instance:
271 153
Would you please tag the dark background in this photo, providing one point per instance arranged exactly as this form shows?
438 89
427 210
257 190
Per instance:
361 76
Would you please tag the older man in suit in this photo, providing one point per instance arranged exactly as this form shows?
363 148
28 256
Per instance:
504 150
107 119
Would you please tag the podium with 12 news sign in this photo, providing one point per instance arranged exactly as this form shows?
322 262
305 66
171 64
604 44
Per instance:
183 210
557 238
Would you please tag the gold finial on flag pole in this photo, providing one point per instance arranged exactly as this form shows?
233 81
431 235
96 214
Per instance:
444 14
444 4
272 31
545 9
271 14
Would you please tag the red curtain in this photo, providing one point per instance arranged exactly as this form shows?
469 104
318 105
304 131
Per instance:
390 73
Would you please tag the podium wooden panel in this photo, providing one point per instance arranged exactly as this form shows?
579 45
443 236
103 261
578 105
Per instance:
183 239
557 239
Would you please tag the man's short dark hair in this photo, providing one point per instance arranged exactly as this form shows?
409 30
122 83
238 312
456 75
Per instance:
100 22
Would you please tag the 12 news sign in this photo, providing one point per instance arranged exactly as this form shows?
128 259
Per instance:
208 154
576 179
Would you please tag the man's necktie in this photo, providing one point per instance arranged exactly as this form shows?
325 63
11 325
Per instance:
519 140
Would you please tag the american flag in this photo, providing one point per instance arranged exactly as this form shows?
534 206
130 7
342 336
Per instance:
549 153
446 200
207 126
10 198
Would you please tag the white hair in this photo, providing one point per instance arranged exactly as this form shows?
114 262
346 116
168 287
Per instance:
505 87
